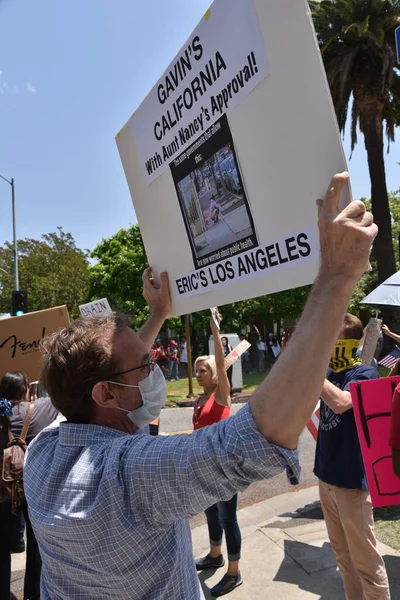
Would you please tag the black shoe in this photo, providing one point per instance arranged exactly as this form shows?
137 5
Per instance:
18 547
207 562
227 584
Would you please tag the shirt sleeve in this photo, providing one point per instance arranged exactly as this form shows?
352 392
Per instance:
361 374
395 421
176 477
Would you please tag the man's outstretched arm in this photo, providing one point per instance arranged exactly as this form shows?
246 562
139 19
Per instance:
284 402
159 302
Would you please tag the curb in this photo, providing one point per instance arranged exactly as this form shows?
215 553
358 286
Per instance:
236 399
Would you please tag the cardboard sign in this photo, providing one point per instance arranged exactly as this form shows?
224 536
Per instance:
229 152
95 308
371 337
236 353
372 404
20 338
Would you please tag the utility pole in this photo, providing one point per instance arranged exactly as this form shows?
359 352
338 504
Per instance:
189 356
16 278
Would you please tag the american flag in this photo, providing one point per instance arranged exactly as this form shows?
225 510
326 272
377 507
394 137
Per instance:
313 423
391 359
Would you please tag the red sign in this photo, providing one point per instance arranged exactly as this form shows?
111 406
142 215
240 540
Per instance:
372 403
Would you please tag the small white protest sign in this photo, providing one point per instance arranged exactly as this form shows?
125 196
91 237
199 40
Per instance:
96 308
214 316
228 153
236 353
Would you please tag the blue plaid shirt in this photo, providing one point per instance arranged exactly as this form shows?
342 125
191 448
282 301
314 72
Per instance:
110 511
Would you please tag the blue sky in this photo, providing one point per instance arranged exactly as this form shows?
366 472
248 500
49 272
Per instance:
71 75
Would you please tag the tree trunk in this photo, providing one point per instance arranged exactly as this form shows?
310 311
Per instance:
371 117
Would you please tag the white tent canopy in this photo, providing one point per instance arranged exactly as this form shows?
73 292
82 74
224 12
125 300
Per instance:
386 294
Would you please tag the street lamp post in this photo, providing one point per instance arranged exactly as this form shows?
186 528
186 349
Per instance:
16 279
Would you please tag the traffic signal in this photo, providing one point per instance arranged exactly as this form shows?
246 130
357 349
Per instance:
19 303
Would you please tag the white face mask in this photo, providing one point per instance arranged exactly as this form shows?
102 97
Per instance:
153 390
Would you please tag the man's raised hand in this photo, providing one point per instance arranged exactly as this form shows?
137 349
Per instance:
346 236
157 297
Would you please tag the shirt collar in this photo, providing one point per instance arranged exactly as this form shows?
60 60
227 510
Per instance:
82 434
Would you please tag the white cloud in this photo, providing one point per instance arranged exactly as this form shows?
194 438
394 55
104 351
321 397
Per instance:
30 88
5 88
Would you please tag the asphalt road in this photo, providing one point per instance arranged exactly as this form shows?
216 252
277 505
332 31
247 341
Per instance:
180 419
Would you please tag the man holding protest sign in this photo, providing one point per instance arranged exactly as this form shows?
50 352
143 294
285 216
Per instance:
104 529
343 488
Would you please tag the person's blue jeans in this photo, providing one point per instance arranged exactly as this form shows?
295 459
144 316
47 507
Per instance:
171 369
221 517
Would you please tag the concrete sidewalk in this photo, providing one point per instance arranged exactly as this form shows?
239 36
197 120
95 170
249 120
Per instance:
286 552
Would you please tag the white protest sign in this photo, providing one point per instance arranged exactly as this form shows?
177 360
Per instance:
234 214
214 316
371 337
211 73
96 308
236 353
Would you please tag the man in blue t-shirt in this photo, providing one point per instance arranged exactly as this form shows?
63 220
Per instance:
339 466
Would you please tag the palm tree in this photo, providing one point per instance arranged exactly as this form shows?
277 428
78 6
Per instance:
357 42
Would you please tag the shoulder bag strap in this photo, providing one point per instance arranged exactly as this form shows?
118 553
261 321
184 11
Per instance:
27 421
10 433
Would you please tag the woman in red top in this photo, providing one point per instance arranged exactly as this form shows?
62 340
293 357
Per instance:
212 406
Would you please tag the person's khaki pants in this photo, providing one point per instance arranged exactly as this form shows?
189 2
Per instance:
350 523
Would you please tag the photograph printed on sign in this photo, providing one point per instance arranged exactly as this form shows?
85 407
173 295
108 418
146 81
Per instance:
212 198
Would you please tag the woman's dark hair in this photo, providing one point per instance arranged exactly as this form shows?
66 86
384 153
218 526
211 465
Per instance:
14 385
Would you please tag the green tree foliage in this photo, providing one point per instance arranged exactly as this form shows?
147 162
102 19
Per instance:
53 271
264 309
117 275
357 42
370 280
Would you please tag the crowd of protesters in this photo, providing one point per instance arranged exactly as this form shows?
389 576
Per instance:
169 356
172 357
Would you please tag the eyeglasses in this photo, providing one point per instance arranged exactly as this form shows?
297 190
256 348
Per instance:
150 364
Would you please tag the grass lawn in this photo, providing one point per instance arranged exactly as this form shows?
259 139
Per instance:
387 525
383 371
178 390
